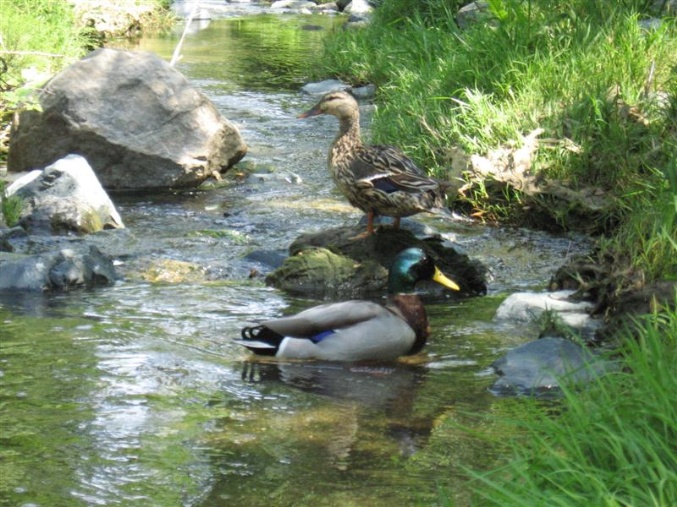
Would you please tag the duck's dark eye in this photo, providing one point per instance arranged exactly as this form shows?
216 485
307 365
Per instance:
425 267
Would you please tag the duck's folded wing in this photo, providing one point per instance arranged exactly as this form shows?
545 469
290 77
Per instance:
321 318
384 338
389 159
400 182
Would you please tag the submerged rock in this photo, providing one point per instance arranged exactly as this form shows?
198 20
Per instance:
334 264
539 367
172 272
266 258
60 270
319 271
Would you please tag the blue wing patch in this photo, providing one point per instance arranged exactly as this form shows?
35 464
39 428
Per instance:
321 336
385 185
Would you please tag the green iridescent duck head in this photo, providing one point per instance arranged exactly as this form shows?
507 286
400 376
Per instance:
411 266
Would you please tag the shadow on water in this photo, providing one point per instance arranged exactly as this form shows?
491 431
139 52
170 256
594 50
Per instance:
135 394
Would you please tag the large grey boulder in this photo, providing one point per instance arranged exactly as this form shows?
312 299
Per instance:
64 197
137 120
60 270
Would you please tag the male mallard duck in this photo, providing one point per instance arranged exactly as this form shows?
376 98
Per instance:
356 330
375 179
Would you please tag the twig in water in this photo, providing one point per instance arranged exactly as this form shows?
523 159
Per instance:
175 56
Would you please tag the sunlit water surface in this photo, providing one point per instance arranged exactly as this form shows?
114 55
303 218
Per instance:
135 395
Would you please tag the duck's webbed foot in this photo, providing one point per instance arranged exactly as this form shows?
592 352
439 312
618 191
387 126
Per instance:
370 228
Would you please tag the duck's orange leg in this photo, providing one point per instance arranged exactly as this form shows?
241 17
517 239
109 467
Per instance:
370 223
370 228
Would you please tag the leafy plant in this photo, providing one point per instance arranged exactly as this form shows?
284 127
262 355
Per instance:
11 206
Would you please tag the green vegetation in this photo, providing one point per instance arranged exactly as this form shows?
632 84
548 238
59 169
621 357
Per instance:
594 76
37 38
602 85
37 34
647 240
613 444
10 206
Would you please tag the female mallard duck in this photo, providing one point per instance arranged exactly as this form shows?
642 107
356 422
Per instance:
375 179
356 330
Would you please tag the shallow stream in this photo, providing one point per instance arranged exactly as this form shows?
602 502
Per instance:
135 395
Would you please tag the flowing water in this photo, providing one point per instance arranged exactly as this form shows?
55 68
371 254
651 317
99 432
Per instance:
135 395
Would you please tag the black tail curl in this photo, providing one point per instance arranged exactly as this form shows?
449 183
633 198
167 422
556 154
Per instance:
252 333
253 337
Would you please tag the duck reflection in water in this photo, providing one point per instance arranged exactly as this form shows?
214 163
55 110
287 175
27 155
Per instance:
370 397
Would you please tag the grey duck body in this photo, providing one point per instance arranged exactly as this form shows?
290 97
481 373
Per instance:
355 330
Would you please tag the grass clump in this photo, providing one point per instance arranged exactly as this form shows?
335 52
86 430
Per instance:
613 444
646 243
37 34
588 73
10 206
37 38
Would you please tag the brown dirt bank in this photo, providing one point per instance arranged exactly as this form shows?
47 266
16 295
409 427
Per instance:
620 294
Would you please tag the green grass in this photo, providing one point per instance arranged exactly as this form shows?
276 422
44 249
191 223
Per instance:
38 38
612 444
602 87
546 64
10 207
646 242
37 33
45 35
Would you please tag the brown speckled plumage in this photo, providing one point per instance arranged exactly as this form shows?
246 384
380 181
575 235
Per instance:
375 179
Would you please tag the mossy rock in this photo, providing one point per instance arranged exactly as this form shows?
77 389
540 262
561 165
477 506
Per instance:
334 263
321 272
170 271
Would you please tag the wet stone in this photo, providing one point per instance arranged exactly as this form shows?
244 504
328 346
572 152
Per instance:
338 263
538 368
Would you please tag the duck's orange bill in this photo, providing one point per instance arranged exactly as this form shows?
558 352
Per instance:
311 112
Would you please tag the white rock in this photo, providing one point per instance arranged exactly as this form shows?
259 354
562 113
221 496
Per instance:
65 196
526 306
359 7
